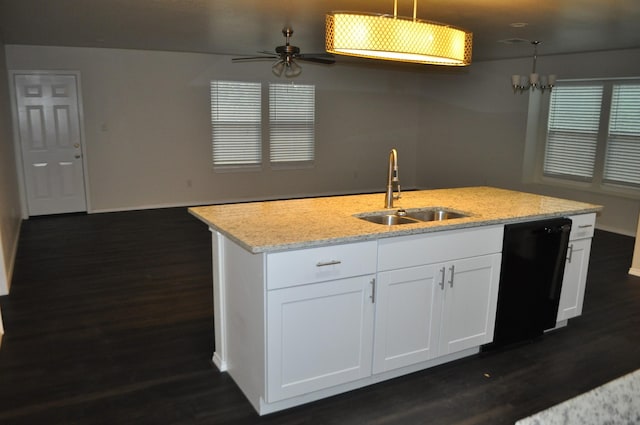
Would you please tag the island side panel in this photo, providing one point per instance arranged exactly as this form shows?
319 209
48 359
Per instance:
243 323
219 318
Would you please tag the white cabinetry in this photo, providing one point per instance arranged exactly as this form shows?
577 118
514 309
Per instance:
443 298
319 336
409 305
575 272
319 331
470 296
300 325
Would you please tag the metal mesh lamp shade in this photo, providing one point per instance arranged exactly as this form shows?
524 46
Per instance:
396 38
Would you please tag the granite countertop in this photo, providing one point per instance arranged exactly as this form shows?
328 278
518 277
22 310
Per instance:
616 402
303 223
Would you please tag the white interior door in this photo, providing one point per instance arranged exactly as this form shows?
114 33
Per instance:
50 140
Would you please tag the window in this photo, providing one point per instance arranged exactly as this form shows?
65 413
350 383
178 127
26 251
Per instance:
236 123
593 133
572 132
622 160
237 112
291 122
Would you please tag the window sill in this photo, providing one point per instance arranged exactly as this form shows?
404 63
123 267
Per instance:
236 168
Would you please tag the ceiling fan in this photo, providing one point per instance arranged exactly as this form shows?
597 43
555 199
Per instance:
287 56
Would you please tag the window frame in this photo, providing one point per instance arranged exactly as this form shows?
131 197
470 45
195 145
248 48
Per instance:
265 134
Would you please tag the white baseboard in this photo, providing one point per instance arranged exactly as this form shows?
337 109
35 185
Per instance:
140 207
615 230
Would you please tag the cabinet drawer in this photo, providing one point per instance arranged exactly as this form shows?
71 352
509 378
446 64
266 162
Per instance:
299 267
582 226
415 250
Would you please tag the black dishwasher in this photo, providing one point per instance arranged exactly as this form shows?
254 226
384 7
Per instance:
533 259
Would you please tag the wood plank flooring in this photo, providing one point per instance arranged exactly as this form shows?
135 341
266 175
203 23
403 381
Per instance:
110 321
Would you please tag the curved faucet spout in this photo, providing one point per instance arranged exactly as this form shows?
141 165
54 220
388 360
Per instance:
392 179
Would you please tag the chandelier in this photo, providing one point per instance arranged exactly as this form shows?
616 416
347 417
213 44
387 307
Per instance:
521 83
396 38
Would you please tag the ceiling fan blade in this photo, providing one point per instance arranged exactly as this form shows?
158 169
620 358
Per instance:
324 58
254 58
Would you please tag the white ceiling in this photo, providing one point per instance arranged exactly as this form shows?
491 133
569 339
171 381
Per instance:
244 27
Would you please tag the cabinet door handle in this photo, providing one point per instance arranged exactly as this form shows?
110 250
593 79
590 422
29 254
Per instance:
442 270
452 269
584 226
328 263
373 290
570 254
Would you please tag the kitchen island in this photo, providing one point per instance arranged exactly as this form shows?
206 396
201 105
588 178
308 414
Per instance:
311 301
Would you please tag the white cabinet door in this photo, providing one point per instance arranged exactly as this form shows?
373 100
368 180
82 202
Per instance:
408 309
470 300
433 310
318 336
575 279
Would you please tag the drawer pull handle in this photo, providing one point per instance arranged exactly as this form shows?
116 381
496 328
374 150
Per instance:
328 263
584 226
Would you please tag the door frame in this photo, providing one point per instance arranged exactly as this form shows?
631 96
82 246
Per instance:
16 135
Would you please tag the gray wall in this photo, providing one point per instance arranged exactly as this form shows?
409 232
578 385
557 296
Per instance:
148 134
477 128
10 213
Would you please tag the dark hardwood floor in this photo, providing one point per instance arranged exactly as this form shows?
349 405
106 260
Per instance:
110 321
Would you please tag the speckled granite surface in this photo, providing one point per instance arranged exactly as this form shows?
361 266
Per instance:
302 223
616 402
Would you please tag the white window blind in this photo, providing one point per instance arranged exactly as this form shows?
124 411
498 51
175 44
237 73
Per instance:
572 132
291 123
236 123
622 161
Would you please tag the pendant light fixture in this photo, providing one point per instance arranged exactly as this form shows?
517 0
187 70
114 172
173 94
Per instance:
522 83
396 38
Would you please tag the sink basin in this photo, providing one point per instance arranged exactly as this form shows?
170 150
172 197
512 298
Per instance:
411 216
389 219
434 214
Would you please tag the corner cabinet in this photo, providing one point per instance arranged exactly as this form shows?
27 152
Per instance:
576 266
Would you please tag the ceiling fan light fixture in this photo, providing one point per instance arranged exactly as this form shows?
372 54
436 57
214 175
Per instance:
278 68
287 56
292 69
395 38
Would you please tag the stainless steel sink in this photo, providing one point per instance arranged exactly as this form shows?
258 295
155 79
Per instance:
389 219
411 216
435 214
